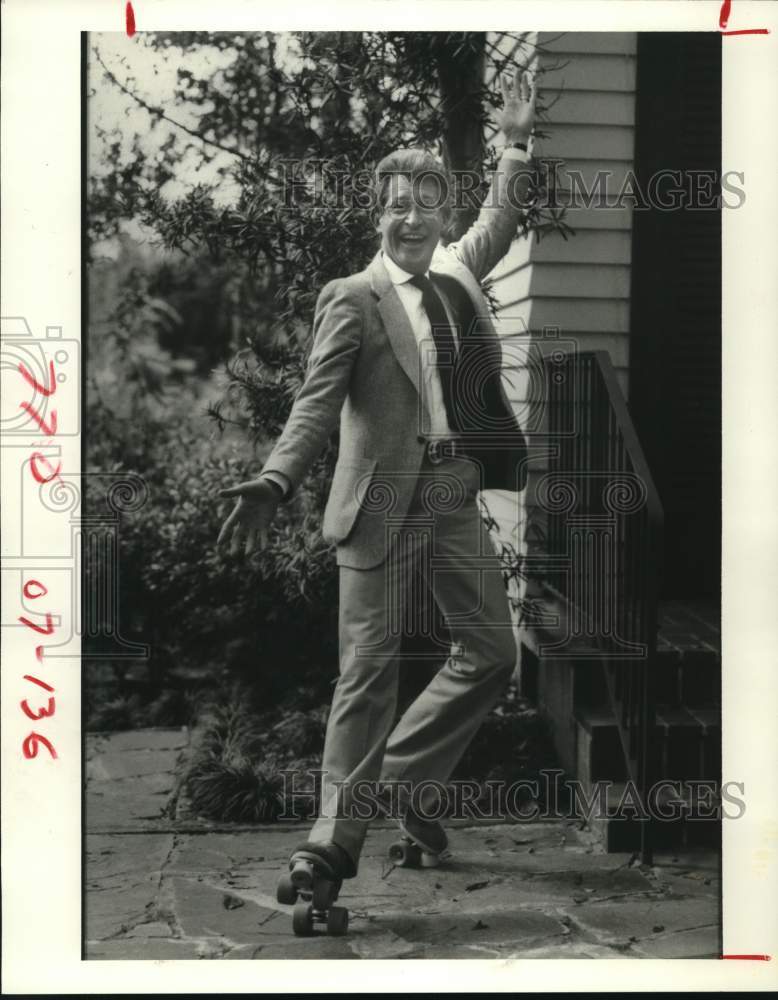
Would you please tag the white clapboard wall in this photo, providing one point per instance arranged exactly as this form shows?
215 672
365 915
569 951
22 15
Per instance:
576 290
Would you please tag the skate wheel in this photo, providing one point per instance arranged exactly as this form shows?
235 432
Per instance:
405 854
429 860
302 875
302 919
397 852
337 921
324 893
286 892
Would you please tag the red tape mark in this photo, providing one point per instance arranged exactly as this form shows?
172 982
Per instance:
724 19
748 958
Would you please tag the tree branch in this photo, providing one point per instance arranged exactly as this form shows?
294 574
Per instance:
159 113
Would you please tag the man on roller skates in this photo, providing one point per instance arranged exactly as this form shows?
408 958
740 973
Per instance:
405 356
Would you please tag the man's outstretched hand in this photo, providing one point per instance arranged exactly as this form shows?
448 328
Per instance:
251 516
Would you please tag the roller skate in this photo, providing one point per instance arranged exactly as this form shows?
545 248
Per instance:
311 885
423 843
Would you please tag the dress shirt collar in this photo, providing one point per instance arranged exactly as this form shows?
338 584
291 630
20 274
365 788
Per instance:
397 275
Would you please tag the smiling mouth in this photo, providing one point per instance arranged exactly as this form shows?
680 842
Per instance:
413 240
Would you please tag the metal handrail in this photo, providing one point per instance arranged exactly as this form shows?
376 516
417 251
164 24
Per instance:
604 544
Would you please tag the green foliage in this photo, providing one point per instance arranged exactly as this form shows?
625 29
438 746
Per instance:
205 615
225 781
236 774
118 713
233 789
108 709
208 618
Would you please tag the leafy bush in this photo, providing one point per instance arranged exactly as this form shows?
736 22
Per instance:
208 618
236 774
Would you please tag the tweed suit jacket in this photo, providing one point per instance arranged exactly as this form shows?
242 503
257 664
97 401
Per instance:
364 372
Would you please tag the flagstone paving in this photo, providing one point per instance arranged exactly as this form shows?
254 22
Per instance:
159 886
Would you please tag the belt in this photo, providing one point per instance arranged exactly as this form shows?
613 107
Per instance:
439 449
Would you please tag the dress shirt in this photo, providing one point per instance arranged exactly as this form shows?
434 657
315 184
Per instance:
411 299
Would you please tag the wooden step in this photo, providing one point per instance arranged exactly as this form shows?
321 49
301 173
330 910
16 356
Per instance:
687 745
619 833
687 667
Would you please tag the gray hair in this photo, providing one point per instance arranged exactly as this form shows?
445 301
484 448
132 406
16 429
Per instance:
415 164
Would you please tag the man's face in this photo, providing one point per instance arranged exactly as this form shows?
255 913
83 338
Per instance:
411 222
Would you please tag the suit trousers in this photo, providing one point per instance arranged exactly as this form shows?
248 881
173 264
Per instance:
443 534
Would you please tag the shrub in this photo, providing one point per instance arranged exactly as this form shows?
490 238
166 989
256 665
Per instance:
236 774
209 618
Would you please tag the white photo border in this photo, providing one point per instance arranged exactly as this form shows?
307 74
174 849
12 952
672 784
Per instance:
41 282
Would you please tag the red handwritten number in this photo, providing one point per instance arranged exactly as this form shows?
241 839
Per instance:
36 384
130 18
36 475
50 429
49 628
33 589
27 590
42 713
724 14
40 683
30 746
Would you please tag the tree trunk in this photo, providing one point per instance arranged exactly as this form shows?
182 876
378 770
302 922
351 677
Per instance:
461 69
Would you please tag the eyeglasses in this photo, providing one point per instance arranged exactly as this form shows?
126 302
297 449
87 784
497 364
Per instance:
399 210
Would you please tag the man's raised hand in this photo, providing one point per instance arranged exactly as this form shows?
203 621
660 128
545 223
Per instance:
516 118
258 500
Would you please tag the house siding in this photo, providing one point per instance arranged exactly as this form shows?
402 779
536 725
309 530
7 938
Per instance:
576 288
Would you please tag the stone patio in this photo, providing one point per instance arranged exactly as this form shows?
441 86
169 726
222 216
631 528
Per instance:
162 887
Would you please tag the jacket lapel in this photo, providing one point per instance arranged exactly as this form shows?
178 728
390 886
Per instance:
395 320
446 264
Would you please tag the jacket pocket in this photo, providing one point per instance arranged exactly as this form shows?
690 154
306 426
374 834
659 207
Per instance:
350 482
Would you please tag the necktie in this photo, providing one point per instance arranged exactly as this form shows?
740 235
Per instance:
443 336
479 361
